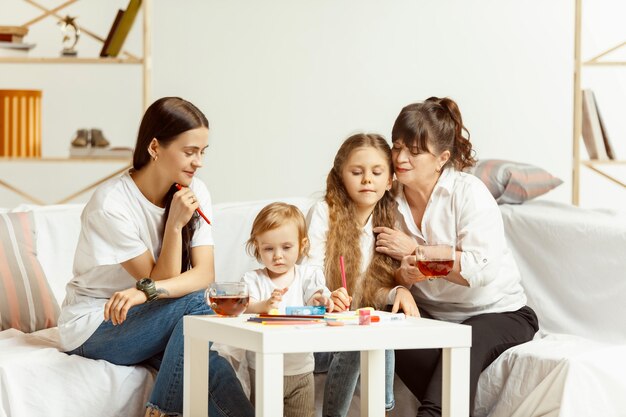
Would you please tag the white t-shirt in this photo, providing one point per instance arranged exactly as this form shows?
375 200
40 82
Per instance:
318 224
307 281
461 209
117 224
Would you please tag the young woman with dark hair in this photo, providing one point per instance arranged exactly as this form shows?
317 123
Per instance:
438 202
144 259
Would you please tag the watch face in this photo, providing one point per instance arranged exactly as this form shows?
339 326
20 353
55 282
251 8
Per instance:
144 282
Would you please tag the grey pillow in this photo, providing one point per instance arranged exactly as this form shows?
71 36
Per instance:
513 182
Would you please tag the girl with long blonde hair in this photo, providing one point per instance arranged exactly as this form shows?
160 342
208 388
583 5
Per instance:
358 198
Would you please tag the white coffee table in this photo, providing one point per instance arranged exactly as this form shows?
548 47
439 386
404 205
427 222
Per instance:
270 342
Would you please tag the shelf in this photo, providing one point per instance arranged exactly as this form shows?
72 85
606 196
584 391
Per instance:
69 60
604 162
6 159
604 63
17 190
603 59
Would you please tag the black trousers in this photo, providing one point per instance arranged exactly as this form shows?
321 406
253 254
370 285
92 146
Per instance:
492 334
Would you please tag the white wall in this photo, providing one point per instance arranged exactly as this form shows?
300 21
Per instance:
283 82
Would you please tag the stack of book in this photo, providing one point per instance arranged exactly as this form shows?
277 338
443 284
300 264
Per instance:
12 41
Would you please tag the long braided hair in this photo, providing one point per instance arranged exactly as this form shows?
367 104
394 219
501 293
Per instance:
371 287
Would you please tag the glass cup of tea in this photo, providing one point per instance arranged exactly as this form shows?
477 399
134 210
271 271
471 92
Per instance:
435 260
228 298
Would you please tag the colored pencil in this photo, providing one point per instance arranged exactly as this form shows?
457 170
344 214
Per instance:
343 273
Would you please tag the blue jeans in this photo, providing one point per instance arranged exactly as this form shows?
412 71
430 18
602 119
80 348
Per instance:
153 334
344 369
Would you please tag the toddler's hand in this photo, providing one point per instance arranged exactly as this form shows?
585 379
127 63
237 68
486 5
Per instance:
275 298
341 299
320 300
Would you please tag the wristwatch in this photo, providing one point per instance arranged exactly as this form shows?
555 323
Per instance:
149 288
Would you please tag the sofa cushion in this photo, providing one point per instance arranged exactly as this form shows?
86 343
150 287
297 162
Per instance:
26 301
514 182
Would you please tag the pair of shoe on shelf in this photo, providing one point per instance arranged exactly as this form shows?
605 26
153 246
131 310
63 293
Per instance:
86 137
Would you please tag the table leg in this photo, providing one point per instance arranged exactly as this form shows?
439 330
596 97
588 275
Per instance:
456 375
373 383
269 385
196 377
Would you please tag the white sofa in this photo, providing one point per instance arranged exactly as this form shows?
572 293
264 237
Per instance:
572 262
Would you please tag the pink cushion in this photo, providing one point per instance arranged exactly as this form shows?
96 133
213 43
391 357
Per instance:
514 182
26 301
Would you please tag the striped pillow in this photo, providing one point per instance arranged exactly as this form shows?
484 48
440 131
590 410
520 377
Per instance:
513 182
26 301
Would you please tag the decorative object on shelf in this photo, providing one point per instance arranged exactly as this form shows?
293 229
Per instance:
91 143
86 137
97 139
81 139
120 29
71 34
20 114
12 41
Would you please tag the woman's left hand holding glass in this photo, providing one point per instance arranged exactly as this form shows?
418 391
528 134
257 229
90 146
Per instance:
393 243
408 273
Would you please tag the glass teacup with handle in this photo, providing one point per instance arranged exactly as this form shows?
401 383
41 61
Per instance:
228 298
435 259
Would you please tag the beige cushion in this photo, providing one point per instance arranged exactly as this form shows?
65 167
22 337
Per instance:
26 301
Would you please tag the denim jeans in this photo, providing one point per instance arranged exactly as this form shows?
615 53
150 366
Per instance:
153 334
344 369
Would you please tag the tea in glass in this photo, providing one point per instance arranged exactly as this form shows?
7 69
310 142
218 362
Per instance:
435 260
228 298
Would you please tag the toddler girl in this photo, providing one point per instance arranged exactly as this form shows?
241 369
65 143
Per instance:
277 240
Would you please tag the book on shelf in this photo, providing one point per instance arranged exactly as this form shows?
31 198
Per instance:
13 30
593 129
13 49
117 152
107 41
123 28
607 143
7 37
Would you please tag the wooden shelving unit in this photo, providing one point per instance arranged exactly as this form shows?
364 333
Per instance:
125 58
598 60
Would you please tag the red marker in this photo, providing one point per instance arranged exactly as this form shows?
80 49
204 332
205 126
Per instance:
198 209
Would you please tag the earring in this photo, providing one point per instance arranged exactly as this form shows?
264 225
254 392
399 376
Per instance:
155 157
438 170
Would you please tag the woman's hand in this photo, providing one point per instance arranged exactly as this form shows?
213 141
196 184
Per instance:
341 299
320 299
408 273
117 307
275 299
393 243
404 301
184 203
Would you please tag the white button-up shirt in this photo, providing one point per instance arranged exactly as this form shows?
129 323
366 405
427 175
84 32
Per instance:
462 210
